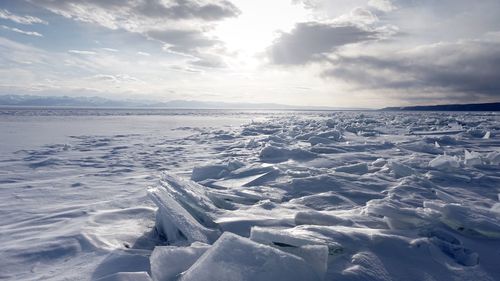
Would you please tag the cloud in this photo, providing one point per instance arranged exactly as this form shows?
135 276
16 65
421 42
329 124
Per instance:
360 16
382 5
203 50
82 52
17 30
118 14
188 9
181 25
464 70
313 41
143 54
5 14
110 50
117 79
208 61
182 41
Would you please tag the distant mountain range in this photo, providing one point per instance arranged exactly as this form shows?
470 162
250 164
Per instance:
449 107
65 101
98 102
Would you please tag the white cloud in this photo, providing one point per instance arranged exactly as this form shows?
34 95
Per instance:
182 25
382 5
17 30
117 78
109 50
4 14
82 52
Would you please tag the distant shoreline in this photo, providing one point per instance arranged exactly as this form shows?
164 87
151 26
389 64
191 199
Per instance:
449 107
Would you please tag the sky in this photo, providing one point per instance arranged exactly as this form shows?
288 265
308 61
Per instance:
341 53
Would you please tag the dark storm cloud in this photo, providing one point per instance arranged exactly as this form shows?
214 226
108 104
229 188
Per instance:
466 67
312 41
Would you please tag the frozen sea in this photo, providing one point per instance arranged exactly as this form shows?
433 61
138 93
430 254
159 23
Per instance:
141 194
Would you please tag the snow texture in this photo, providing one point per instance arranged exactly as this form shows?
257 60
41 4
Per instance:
249 195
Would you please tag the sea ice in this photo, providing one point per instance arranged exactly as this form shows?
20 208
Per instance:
340 195
444 162
126 276
359 168
233 257
168 262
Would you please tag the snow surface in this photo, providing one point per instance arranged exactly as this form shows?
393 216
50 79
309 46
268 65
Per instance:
253 195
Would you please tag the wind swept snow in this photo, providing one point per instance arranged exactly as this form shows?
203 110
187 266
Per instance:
287 196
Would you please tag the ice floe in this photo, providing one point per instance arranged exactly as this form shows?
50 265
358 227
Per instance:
289 196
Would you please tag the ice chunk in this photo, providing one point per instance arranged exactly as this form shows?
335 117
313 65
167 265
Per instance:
444 162
359 169
332 134
245 181
467 219
421 146
379 162
273 236
315 255
174 222
214 171
472 158
493 158
476 132
233 257
487 135
208 172
195 198
318 218
168 262
396 214
126 276
325 201
401 170
273 154
319 140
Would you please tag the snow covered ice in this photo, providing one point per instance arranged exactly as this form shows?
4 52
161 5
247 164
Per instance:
228 195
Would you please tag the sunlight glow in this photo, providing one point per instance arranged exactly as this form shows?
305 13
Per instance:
257 26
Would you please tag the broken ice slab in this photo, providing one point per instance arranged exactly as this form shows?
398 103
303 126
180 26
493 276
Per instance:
401 170
358 168
251 180
126 276
193 197
493 158
472 158
233 257
282 237
441 132
214 171
475 221
168 262
319 218
175 223
445 163
274 154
